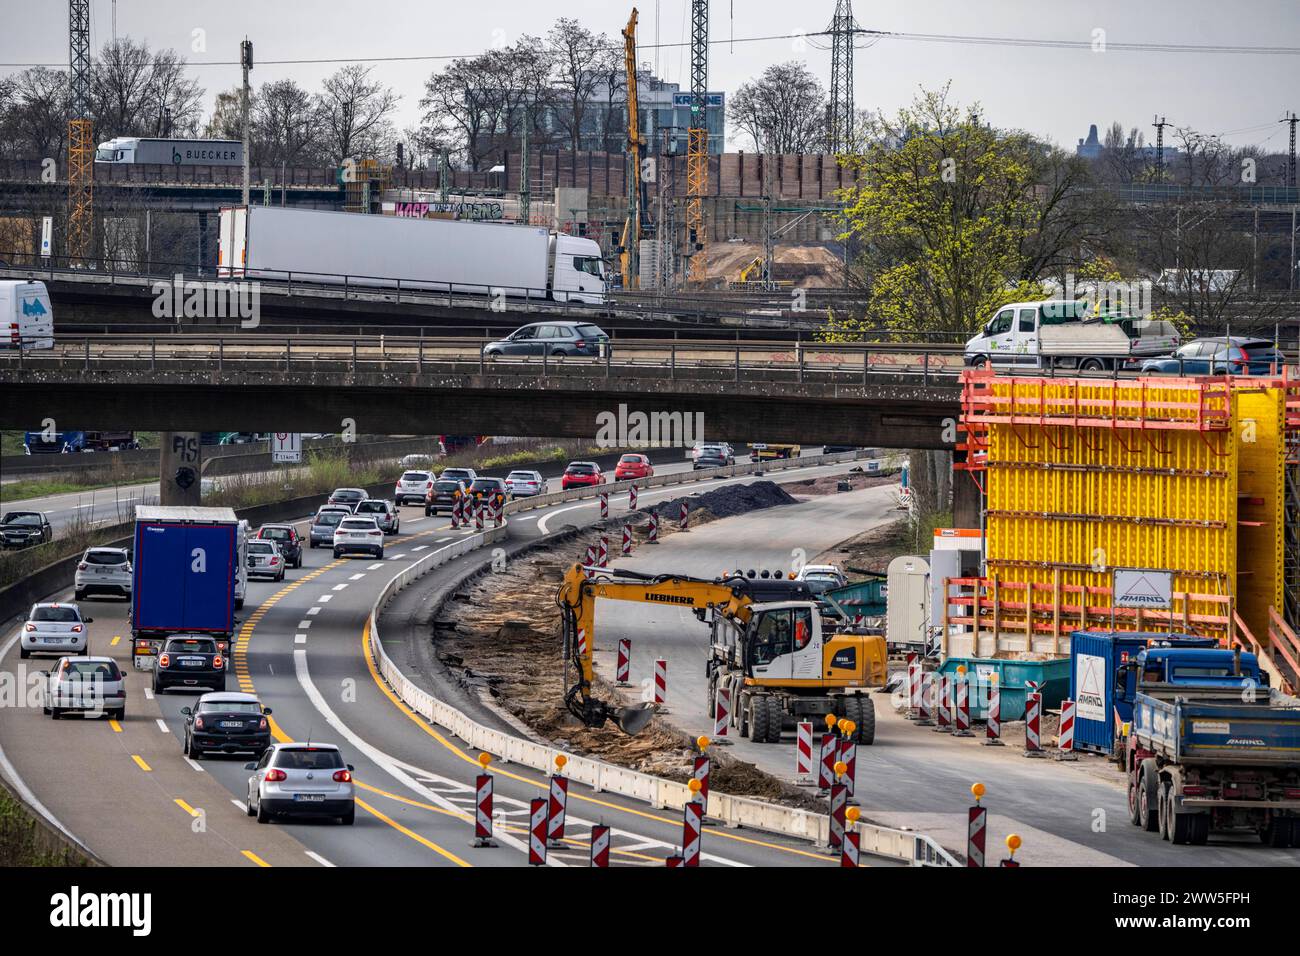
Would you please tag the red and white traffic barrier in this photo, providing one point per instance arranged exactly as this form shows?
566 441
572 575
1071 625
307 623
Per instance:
483 810
1033 713
803 755
682 520
478 514
627 540
851 849
976 831
558 806
722 712
701 773
661 681
457 509
538 818
943 722
963 707
1065 735
498 512
603 553
600 845
589 562
631 498
849 757
826 762
692 830
926 711
604 504
653 536
839 803
993 718
624 661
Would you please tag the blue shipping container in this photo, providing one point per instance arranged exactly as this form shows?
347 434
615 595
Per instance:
184 571
1094 658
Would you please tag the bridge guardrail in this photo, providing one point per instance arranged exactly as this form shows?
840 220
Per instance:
916 849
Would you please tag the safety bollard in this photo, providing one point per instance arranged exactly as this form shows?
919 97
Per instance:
603 552
943 717
1033 710
483 805
682 520
993 721
661 682
701 769
478 514
627 540
850 850
624 662
839 803
456 512
926 718
1065 735
722 712
803 756
600 845
848 754
826 761
538 818
692 826
589 562
652 536
976 830
498 512
962 709
631 498
604 504
559 804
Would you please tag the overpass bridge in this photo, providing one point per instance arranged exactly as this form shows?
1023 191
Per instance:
838 394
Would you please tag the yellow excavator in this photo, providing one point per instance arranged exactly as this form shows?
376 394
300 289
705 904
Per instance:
766 647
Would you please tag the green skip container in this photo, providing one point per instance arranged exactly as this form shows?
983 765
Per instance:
1051 676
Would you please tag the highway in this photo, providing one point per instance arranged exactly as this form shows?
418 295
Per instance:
300 649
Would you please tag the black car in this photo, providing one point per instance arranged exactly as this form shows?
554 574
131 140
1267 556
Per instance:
489 489
575 339
442 496
289 540
226 723
24 529
350 497
190 660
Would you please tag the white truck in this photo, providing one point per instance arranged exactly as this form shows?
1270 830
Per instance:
483 258
1059 333
26 315
133 150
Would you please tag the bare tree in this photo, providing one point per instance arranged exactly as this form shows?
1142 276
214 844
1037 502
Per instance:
34 114
286 125
783 111
581 60
460 109
356 114
136 92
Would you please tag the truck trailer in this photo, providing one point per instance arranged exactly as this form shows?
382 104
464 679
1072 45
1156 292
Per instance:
185 576
480 258
135 150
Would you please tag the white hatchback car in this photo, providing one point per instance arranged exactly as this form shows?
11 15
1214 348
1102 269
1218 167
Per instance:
103 571
55 629
90 685
295 779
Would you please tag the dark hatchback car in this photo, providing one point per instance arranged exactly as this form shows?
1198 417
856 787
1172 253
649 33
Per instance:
351 497
576 339
1237 355
189 661
22 529
489 489
226 723
442 496
289 540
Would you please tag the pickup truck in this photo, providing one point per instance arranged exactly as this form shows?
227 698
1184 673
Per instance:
1210 747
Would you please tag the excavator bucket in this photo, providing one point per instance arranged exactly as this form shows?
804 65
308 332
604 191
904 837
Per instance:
633 720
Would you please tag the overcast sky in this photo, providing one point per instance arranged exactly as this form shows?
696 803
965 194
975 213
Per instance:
1052 92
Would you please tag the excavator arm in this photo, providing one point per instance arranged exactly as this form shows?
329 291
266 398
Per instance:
576 598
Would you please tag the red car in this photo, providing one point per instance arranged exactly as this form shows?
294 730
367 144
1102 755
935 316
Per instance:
580 474
633 466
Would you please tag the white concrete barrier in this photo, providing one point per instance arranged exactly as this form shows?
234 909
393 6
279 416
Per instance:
913 848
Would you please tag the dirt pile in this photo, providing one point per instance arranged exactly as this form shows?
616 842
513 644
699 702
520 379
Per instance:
834 484
727 501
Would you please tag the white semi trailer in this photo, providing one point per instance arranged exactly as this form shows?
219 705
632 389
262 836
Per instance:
134 150
317 246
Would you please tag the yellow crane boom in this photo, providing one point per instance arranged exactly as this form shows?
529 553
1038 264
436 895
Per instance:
632 225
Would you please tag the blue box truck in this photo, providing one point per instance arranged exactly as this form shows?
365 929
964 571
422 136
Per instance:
186 564
1095 659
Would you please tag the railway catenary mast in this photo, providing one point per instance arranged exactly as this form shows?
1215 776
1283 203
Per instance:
842 30
697 139
81 147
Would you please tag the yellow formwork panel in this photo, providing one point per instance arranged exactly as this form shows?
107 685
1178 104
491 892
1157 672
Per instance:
1261 437
1151 400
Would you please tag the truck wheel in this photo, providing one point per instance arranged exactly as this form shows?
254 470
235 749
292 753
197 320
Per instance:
1164 810
1092 365
758 720
1149 797
1182 826
1277 834
775 720
1200 829
862 711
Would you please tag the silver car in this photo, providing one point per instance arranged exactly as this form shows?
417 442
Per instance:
295 779
321 532
103 571
412 487
55 629
384 513
522 484
86 685
265 560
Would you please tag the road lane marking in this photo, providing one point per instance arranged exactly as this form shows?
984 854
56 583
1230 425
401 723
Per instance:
195 764
304 624
148 693
397 557
300 638
324 599
318 858
356 577
186 807
340 586
374 567
243 807
117 639
162 725
423 547
412 834
313 611
255 858
442 540
139 762
117 728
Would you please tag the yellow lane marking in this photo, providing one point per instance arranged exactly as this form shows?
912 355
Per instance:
429 729
116 639
139 762
255 858
186 807
117 728
412 834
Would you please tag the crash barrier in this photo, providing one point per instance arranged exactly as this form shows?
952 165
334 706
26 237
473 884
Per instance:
915 848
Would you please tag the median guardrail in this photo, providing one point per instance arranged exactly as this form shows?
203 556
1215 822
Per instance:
910 847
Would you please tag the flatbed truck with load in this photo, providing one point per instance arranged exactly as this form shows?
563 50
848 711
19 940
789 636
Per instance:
1210 747
762 451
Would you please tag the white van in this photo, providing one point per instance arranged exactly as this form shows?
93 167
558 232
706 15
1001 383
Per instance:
26 315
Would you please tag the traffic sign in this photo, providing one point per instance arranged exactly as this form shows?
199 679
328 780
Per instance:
286 447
